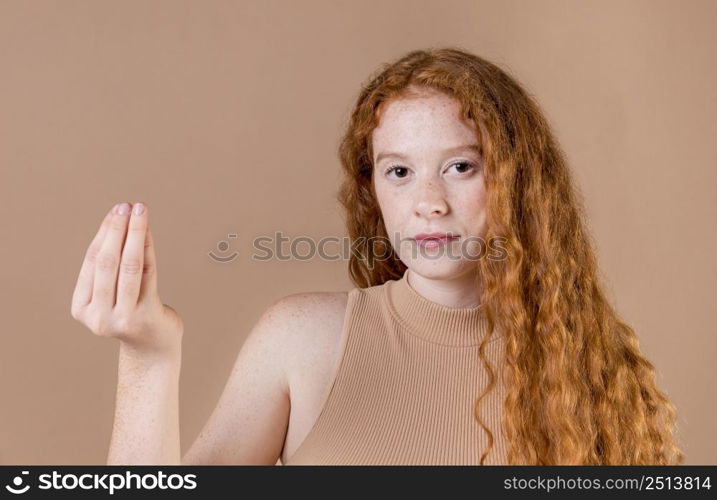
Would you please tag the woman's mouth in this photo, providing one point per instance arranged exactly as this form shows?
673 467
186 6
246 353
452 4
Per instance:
434 240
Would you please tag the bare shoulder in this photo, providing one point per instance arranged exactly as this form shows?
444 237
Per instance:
311 352
305 306
303 330
315 320
271 388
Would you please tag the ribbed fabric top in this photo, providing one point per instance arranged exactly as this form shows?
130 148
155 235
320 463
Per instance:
404 390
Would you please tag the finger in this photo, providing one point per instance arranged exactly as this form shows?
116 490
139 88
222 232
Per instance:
83 288
104 288
148 287
132 261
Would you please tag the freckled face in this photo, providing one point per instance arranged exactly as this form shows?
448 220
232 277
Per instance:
428 177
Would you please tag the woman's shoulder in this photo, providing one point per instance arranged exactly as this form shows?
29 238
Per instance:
307 307
311 317
311 310
313 324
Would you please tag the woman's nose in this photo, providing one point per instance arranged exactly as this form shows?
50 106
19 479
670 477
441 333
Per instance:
431 200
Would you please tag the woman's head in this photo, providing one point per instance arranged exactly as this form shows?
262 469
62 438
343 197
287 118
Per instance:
578 389
427 178
480 104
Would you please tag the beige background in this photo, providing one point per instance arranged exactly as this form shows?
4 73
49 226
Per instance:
225 116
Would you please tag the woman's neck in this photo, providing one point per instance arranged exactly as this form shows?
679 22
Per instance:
459 292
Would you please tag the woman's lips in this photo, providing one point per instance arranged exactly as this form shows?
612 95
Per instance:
434 241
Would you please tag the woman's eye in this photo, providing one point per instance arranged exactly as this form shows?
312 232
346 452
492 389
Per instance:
464 167
401 172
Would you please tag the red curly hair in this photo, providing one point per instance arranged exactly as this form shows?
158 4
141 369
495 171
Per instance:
579 391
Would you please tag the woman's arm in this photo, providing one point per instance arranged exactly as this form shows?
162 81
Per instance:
116 297
248 426
146 421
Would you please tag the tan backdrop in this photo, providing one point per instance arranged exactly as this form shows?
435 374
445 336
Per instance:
224 116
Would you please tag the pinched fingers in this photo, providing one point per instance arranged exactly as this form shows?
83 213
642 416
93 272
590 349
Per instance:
108 260
116 294
131 267
82 294
148 288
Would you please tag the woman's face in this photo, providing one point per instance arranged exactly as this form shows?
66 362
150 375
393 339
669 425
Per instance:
428 178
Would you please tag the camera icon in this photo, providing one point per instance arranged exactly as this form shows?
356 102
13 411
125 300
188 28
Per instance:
17 482
223 246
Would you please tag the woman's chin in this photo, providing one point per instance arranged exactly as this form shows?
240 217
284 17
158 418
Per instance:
443 268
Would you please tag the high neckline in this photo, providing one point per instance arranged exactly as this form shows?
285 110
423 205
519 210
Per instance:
450 326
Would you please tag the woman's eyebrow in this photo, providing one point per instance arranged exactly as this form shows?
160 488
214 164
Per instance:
475 148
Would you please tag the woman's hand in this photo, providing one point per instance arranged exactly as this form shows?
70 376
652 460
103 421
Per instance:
116 291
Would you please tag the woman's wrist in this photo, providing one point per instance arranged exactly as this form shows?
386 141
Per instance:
151 355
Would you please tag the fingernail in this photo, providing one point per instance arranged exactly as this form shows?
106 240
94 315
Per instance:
138 208
123 209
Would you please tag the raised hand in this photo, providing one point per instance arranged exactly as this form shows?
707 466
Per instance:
116 291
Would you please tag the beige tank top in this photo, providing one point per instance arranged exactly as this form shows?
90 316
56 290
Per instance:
406 383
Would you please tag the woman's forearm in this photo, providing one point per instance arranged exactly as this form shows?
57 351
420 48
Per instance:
146 419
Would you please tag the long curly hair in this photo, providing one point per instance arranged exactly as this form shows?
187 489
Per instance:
578 389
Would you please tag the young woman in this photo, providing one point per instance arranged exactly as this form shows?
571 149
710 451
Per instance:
478 332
